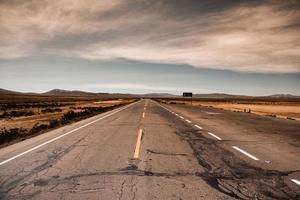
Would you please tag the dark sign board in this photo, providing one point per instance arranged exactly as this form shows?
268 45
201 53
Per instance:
187 94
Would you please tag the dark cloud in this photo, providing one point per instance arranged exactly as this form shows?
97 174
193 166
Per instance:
257 36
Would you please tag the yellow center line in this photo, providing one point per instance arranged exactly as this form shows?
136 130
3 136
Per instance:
138 144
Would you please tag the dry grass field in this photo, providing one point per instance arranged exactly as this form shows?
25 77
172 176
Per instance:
280 109
40 116
23 116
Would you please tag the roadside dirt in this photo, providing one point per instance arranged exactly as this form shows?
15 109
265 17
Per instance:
17 129
290 110
27 122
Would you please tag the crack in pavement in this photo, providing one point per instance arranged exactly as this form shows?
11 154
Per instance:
165 153
72 182
228 173
51 159
122 189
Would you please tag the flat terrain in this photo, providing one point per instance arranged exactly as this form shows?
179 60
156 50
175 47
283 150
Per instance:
279 109
39 116
147 150
21 118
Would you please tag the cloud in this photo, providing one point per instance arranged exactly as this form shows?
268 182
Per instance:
133 86
261 36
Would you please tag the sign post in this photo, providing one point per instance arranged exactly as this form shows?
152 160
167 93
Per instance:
188 94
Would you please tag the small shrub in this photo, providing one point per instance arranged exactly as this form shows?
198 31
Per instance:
4 115
272 115
11 134
17 113
69 115
50 110
38 127
290 118
53 123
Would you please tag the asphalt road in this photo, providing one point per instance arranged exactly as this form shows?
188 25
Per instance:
150 151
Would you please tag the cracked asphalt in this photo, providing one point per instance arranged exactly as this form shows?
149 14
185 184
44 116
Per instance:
176 161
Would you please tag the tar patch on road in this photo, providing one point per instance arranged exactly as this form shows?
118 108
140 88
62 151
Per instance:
226 172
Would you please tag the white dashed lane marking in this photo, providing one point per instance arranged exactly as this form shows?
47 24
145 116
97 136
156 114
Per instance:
296 181
188 121
217 137
198 126
245 153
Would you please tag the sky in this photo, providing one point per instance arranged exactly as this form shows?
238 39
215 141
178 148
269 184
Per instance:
142 46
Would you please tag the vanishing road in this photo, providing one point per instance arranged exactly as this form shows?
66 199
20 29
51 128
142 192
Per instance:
147 150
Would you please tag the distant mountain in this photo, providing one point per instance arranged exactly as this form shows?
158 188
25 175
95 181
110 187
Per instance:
8 92
59 92
231 96
220 96
77 93
54 92
284 96
167 95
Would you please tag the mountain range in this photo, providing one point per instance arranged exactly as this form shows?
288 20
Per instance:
77 93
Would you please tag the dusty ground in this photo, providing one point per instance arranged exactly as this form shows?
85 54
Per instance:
289 110
28 122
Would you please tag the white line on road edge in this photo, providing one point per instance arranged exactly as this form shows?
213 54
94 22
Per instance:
56 138
212 113
244 152
218 138
198 126
188 121
138 144
296 181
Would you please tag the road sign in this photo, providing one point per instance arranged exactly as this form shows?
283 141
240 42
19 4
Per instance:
187 94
